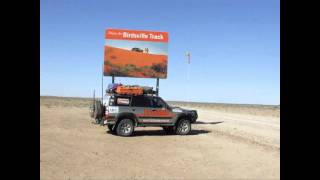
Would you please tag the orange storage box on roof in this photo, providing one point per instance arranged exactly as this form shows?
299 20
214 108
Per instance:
129 90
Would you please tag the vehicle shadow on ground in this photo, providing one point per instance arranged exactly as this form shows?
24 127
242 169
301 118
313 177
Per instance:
200 122
163 133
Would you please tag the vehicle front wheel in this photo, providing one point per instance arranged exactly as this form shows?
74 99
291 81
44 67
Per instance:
125 127
183 127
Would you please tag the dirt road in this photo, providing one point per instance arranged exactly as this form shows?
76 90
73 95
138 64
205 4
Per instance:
222 145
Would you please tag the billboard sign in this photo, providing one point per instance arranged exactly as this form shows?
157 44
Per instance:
134 53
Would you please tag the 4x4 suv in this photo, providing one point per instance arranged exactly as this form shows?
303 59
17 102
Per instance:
137 50
124 112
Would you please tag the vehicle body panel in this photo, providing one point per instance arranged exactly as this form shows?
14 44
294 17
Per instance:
160 114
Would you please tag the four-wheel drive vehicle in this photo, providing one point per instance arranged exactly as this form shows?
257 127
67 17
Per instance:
122 113
137 50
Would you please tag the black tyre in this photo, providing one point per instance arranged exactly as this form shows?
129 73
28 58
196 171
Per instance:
97 121
183 127
125 127
102 114
101 122
98 108
168 129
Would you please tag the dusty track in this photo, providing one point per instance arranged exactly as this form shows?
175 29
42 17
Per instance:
223 145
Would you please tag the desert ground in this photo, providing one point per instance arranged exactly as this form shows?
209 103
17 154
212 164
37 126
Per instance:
227 142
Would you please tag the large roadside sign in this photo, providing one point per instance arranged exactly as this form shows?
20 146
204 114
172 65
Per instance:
135 53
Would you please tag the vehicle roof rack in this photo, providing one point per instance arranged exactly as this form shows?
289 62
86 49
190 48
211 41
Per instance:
146 90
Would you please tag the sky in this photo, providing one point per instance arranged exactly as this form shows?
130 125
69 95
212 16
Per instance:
234 46
154 47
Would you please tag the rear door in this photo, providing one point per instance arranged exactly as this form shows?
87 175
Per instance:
151 111
160 111
139 106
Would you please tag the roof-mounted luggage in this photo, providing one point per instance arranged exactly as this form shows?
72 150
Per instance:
134 90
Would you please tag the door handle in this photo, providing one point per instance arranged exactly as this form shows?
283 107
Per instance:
153 109
133 109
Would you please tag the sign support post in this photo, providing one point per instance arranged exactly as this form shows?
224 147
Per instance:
157 87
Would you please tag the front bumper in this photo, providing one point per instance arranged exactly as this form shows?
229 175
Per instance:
194 116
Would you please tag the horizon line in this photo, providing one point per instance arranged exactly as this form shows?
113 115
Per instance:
171 101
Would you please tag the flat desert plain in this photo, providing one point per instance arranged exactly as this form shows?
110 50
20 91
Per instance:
227 142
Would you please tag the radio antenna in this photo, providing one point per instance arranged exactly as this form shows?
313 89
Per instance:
188 54
102 84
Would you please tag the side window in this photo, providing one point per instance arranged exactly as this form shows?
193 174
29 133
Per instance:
158 103
122 101
141 101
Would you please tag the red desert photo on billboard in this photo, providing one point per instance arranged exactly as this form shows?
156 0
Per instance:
133 53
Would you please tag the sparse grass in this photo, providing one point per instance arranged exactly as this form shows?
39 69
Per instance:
254 109
52 101
156 70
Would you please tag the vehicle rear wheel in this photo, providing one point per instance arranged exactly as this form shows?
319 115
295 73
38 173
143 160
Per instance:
183 127
168 129
97 121
97 110
125 127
